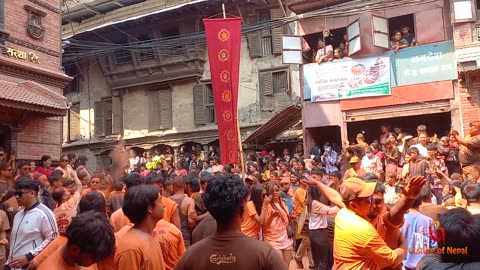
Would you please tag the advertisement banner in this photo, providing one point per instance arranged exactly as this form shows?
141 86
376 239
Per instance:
348 79
223 43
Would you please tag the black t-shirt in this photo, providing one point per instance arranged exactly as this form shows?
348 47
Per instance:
232 251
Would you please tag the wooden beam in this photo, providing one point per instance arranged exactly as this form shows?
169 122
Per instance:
92 9
118 3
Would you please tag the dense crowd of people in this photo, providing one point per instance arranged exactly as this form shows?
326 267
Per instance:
400 201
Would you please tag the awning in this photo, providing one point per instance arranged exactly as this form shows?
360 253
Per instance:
468 67
32 96
291 135
431 107
150 12
276 125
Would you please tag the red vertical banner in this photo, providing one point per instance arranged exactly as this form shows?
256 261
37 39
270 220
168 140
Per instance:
223 43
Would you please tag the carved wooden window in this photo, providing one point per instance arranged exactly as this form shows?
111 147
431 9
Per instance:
74 85
122 55
146 51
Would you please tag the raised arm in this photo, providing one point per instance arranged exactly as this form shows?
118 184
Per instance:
409 194
331 194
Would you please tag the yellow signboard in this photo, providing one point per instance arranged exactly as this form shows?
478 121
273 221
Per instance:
30 56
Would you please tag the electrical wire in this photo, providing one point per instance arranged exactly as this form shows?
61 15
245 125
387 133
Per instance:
82 51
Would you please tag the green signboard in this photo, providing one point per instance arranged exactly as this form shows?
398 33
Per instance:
423 64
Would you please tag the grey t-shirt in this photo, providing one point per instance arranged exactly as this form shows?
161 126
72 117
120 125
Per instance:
231 251
434 262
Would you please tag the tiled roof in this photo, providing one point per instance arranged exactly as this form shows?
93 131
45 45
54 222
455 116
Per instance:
32 93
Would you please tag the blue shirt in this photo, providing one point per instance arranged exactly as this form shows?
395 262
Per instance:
416 231
288 200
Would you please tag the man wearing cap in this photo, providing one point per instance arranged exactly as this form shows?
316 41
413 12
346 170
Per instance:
469 155
356 169
357 244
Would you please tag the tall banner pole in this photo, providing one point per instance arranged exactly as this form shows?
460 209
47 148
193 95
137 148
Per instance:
240 145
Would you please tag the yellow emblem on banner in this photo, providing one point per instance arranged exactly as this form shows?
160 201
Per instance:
223 55
226 95
230 135
228 116
223 34
225 76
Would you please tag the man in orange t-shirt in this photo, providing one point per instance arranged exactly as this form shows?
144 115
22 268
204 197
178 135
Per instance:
118 219
171 241
171 208
90 240
138 249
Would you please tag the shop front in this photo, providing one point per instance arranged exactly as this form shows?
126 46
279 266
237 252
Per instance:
414 86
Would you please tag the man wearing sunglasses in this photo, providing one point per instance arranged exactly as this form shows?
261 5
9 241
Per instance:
34 226
469 155
24 168
357 244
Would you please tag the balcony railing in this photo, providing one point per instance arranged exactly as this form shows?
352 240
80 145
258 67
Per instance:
136 68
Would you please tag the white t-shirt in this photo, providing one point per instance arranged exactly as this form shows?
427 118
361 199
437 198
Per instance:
321 52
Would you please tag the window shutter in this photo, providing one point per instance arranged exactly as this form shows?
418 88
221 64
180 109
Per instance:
354 42
107 116
277 13
199 101
266 83
267 101
254 39
153 111
380 32
165 97
74 127
116 115
281 101
99 129
268 104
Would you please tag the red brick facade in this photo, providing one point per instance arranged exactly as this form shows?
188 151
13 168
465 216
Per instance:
33 132
469 81
470 99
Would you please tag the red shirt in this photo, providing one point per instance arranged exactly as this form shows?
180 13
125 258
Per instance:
44 171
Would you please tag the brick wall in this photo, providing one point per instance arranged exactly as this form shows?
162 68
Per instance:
469 93
40 136
469 102
462 34
16 18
